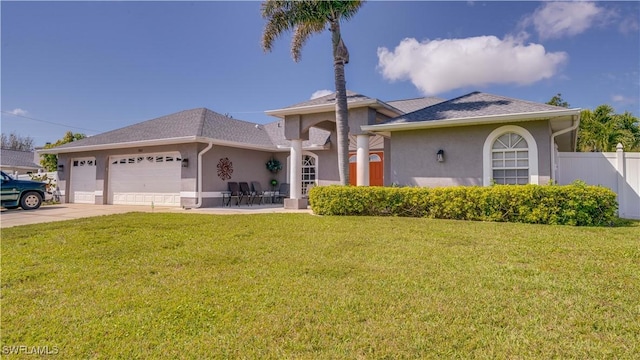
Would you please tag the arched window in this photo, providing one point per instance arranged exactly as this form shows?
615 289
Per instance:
510 156
309 170
374 158
510 160
308 173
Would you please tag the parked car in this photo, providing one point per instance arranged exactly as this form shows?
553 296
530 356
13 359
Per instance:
23 193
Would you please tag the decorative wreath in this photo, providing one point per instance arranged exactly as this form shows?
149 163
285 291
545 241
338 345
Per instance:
225 168
274 165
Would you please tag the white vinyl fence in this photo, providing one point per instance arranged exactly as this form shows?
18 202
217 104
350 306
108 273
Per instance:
51 179
618 171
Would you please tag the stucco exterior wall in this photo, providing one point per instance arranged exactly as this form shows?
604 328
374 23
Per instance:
248 166
188 181
328 163
413 159
297 126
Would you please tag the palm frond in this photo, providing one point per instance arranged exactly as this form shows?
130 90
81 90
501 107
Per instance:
280 19
304 18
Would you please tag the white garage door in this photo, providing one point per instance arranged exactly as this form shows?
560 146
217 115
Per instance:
83 181
145 179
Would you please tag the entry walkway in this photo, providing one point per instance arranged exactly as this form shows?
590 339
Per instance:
61 212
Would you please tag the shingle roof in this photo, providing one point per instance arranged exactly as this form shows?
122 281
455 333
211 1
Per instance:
199 122
410 105
15 158
475 104
219 127
184 123
204 123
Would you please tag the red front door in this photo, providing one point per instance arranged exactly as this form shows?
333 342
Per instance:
376 169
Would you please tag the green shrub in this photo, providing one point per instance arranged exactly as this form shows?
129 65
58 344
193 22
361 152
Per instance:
575 204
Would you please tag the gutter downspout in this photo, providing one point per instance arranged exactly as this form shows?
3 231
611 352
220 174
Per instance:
199 169
576 123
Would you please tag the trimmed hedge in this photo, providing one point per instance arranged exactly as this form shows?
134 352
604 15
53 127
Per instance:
575 204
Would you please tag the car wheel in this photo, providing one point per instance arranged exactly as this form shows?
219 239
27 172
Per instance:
31 200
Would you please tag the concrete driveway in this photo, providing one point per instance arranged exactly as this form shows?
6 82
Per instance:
60 212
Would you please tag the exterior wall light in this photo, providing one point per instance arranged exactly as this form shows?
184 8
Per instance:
185 162
60 167
440 155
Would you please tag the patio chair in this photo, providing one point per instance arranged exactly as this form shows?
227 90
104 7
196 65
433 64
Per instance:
234 192
246 192
257 191
283 192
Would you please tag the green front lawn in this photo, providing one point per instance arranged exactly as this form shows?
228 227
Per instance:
299 286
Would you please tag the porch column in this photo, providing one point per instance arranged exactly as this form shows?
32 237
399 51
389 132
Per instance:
362 158
295 181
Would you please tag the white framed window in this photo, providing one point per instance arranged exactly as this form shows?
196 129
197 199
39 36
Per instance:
510 160
510 156
308 173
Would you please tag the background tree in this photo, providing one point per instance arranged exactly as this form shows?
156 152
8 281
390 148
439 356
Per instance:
557 100
630 126
50 161
14 141
602 130
306 18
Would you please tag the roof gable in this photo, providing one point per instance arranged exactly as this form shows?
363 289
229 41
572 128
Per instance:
352 97
328 102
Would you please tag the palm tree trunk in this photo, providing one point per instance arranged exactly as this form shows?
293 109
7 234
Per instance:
342 113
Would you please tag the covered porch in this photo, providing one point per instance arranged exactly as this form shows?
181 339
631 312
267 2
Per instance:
299 120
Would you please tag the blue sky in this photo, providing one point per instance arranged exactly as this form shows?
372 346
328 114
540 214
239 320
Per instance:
91 67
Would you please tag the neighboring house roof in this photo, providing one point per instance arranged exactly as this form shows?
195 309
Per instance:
473 108
328 103
18 159
410 105
202 125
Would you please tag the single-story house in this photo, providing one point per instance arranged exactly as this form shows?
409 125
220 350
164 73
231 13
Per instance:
18 162
187 158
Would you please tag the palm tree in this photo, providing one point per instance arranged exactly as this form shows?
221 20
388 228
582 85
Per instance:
630 125
602 130
306 18
597 130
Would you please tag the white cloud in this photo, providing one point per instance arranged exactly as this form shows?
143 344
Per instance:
560 19
617 98
320 93
441 65
18 112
